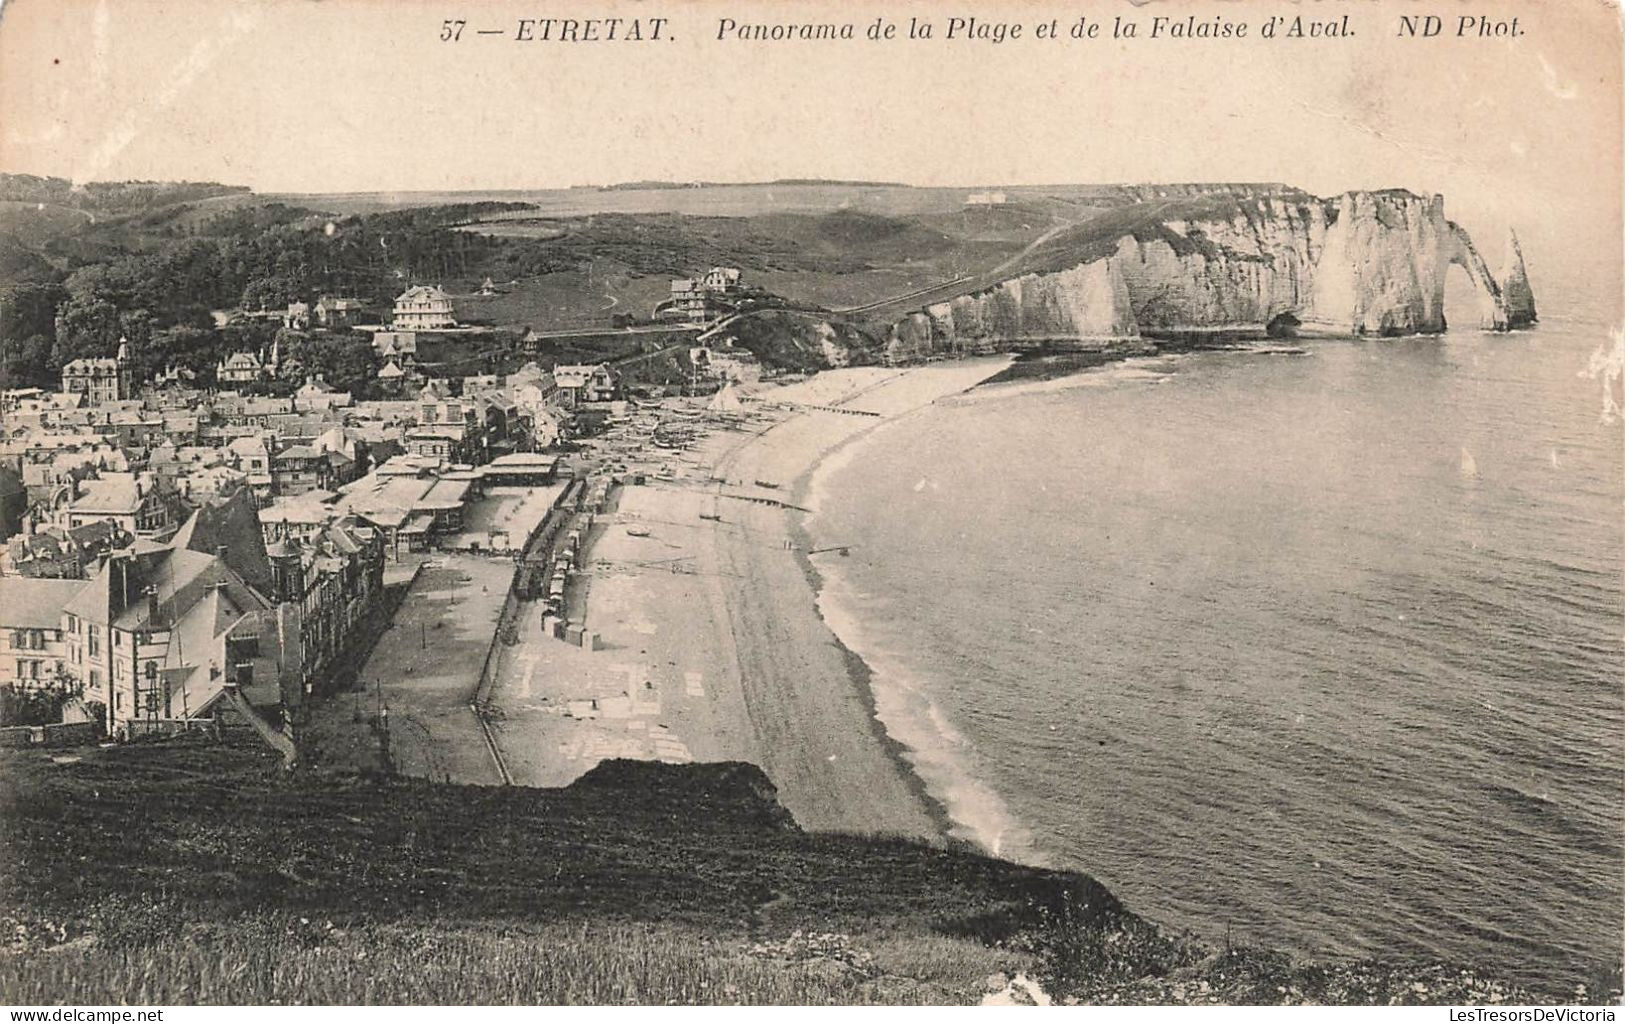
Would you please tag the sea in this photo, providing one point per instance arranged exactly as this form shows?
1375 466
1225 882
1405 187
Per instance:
1320 651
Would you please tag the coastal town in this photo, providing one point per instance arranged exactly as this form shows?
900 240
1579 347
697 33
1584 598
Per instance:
177 555
840 505
500 529
493 578
530 538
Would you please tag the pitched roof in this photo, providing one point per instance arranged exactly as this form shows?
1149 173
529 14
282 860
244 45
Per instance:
232 524
27 603
423 293
100 532
181 579
102 365
116 492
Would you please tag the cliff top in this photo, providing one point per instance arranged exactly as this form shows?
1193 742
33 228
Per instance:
143 872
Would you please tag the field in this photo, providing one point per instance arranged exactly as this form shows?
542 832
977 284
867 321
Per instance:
565 300
280 961
836 258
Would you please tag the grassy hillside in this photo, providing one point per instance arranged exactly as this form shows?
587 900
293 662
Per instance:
192 871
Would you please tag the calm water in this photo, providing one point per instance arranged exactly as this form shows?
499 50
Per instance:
1326 650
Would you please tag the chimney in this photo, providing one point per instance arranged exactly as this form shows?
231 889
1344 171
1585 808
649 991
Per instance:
220 552
118 569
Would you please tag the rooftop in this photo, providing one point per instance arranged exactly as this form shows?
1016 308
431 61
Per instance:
115 493
34 604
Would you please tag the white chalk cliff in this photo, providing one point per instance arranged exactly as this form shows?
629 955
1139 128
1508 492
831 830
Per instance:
1515 290
1083 305
1364 263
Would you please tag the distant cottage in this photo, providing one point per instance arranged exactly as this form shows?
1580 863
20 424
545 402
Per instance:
584 383
704 298
423 307
396 346
240 368
335 312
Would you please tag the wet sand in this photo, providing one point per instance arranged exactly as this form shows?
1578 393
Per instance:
712 647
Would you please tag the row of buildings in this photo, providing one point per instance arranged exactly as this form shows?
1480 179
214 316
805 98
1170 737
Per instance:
163 632
232 554
76 478
421 308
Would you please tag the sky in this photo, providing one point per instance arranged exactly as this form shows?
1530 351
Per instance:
361 95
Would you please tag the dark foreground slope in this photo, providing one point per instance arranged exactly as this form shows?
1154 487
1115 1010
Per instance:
197 872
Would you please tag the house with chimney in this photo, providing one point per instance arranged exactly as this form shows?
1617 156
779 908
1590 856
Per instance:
699 299
242 368
132 501
71 554
168 632
423 308
101 380
578 384
337 312
397 347
159 633
33 647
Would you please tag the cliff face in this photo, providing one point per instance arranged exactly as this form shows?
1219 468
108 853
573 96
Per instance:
1224 274
1366 263
1520 300
1085 306
1384 265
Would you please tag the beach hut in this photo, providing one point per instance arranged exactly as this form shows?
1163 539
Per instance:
725 404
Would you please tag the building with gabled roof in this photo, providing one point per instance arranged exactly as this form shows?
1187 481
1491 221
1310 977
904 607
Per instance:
242 368
32 640
230 525
335 311
101 380
158 633
423 307
133 501
161 631
584 383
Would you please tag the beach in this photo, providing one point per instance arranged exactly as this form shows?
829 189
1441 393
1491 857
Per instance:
711 646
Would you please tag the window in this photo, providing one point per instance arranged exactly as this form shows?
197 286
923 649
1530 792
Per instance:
93 640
